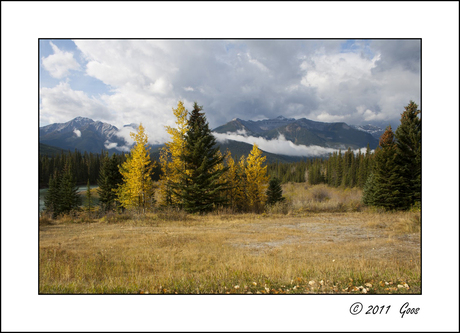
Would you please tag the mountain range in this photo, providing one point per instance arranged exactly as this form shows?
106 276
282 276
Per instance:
85 134
305 132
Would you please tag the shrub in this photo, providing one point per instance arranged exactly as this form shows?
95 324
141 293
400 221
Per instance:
113 217
172 214
282 207
45 219
320 193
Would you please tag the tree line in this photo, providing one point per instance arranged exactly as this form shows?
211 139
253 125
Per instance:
348 169
193 175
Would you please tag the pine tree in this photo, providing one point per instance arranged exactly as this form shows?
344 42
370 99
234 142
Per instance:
109 179
200 188
52 197
137 189
62 196
409 155
339 168
257 179
369 197
89 200
274 192
387 182
68 190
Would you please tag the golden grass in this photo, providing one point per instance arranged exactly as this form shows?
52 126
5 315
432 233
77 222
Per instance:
304 248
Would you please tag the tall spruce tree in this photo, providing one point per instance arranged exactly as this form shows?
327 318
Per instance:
62 196
109 179
201 188
52 196
89 199
369 197
387 182
70 199
409 155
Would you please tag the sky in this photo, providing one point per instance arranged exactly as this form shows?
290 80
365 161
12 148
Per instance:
362 81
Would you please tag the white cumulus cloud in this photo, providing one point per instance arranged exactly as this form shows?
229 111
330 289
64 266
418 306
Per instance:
60 63
61 104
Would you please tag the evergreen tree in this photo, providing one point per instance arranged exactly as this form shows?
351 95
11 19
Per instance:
109 179
201 188
339 168
70 199
409 155
52 197
369 197
89 200
274 192
387 182
137 189
62 196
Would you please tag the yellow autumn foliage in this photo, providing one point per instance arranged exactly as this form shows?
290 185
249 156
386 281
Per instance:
170 157
137 189
257 179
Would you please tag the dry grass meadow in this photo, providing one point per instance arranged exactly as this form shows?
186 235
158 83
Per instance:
322 240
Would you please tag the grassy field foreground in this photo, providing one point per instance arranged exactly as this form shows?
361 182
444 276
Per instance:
312 244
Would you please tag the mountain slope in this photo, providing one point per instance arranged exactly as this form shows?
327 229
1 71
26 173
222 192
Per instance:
81 133
303 132
375 131
238 149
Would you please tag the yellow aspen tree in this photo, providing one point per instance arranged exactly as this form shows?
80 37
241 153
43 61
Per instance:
170 157
137 189
236 180
241 194
257 179
230 178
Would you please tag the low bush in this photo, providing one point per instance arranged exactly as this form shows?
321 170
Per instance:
45 219
320 193
172 214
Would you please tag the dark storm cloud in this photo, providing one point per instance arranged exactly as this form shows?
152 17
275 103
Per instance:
404 53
